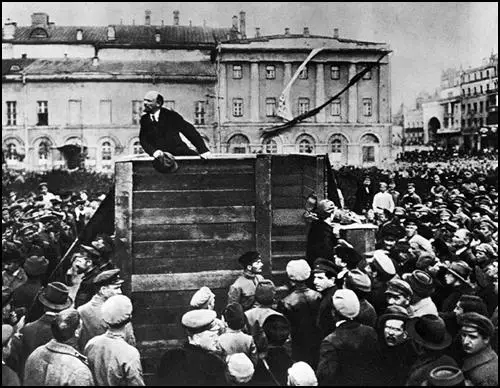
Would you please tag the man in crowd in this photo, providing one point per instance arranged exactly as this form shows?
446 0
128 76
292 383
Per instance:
243 289
325 273
422 286
383 200
398 293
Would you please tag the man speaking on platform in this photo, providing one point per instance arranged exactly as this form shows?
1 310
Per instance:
160 132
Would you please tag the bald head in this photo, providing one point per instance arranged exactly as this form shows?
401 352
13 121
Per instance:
152 101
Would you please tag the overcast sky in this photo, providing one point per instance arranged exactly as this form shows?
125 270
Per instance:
425 37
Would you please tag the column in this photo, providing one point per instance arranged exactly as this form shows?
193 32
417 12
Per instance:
287 74
353 96
320 92
254 92
222 102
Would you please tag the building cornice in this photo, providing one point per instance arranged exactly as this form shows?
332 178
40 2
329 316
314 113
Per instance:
75 77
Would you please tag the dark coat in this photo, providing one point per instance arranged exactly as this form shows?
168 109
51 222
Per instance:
482 368
278 361
321 242
364 199
453 297
165 135
395 363
325 322
367 314
419 371
87 288
301 309
24 296
349 356
191 365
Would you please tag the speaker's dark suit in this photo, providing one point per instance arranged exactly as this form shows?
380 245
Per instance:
165 134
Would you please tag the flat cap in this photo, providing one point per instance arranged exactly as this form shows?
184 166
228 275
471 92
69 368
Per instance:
346 303
240 368
393 312
326 266
420 282
116 310
383 262
91 250
483 324
358 280
301 374
399 287
201 297
36 265
248 258
197 321
298 270
108 277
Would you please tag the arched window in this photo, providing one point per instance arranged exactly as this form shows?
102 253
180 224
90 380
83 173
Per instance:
238 144
270 146
12 152
305 144
106 151
43 152
137 148
39 33
369 143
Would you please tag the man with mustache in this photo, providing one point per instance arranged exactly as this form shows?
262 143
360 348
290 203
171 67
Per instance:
397 353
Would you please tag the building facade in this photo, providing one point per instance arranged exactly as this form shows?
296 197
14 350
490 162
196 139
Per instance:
73 93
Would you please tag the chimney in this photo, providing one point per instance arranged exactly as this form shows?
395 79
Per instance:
162 23
306 31
190 23
40 19
235 23
336 33
243 25
176 17
95 61
147 18
287 31
9 30
257 32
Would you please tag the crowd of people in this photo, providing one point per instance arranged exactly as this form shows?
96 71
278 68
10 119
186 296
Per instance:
420 309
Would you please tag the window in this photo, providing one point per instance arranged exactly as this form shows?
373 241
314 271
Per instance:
270 107
79 34
303 105
469 109
367 106
480 121
136 111
463 107
303 74
335 72
43 152
111 33
238 144
39 33
487 73
137 148
481 105
43 113
487 87
237 72
468 91
368 154
481 89
157 37
336 146
105 112
106 150
270 72
170 104
237 107
12 152
270 146
11 112
475 90
306 146
199 113
475 107
368 75
335 108
75 108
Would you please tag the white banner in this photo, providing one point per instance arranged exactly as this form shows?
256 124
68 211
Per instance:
284 107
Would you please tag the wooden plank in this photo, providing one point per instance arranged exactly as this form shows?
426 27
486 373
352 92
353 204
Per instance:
287 164
181 298
289 230
159 315
184 281
199 167
193 181
193 198
285 179
190 248
223 214
287 191
229 232
288 217
159 331
124 218
184 264
287 246
263 210
320 176
287 202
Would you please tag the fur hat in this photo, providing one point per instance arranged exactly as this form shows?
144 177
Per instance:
235 316
346 303
298 270
201 297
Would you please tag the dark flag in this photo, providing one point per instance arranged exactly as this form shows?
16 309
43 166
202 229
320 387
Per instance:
331 183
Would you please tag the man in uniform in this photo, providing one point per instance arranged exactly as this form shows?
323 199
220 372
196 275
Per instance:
242 291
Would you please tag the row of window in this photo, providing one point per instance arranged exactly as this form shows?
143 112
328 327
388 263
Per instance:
105 112
477 122
472 108
475 90
304 74
476 76
303 106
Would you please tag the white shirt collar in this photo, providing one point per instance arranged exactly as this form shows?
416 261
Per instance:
156 115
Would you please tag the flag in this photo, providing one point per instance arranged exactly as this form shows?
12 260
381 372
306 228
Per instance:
284 109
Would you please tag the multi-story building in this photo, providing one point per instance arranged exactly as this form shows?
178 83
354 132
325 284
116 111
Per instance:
70 91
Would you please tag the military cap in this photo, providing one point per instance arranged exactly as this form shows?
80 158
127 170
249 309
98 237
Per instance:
445 376
91 250
445 211
108 277
41 184
201 297
298 270
420 282
399 211
197 321
240 368
383 263
36 265
326 266
399 287
248 258
358 280
117 310
483 324
393 312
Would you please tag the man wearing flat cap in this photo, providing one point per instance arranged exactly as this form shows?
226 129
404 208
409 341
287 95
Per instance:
161 128
422 285
325 274
194 364
301 308
321 239
398 293
480 364
108 284
242 291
